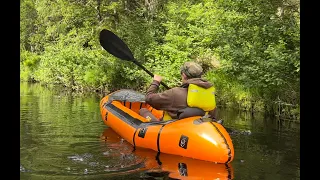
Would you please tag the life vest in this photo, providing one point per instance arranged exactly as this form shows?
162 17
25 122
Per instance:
166 116
198 97
201 98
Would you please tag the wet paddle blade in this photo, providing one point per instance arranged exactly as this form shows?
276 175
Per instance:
115 46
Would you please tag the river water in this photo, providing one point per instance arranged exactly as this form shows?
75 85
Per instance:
62 136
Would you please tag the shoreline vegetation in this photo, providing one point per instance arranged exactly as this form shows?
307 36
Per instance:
249 49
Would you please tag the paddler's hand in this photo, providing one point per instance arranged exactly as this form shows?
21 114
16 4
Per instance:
157 78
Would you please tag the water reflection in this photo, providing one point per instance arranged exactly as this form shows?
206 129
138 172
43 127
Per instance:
62 136
177 167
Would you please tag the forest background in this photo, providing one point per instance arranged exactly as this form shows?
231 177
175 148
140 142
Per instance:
250 49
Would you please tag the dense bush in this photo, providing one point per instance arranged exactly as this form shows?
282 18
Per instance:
249 49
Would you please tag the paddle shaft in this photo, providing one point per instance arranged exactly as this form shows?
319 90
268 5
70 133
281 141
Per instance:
147 71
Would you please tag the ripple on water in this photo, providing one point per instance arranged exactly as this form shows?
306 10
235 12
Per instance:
96 162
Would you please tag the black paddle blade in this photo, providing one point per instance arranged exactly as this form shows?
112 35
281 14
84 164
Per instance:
115 46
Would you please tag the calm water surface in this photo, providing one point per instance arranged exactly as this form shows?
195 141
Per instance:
62 136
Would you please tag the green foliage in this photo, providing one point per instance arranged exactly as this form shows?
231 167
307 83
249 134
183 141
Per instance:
73 67
249 49
28 15
231 93
28 64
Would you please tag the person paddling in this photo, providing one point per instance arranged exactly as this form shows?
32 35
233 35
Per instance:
195 97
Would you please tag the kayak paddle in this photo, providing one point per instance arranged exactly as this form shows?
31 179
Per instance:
115 46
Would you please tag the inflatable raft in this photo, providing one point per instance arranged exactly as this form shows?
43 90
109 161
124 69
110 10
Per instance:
178 167
194 137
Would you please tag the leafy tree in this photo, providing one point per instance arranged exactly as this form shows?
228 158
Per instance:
250 49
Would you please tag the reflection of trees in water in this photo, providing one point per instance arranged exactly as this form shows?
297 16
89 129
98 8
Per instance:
267 153
59 108
243 120
57 124
52 122
272 147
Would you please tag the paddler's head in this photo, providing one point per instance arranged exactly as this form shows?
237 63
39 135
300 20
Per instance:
191 70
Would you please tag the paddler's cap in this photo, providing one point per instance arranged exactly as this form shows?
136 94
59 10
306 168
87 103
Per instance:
192 69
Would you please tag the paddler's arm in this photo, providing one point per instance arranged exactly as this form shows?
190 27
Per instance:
153 88
158 100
